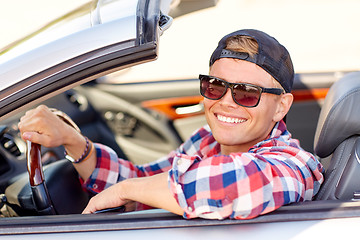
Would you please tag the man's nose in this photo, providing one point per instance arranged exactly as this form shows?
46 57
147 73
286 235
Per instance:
228 99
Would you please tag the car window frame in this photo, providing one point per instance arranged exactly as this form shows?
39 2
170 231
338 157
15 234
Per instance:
88 66
159 219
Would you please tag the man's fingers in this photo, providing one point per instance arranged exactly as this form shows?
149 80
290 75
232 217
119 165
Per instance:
91 207
109 198
32 137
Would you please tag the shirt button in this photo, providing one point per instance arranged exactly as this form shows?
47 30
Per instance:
190 209
179 162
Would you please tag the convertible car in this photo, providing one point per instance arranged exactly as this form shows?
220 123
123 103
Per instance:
86 64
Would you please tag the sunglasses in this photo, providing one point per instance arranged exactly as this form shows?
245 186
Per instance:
244 94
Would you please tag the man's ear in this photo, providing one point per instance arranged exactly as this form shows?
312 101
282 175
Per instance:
283 106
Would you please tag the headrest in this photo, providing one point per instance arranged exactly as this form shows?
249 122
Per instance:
340 115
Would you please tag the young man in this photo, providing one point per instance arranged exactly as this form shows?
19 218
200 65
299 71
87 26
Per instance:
243 164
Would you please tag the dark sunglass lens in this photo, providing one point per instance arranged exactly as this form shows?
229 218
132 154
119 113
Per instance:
212 88
246 95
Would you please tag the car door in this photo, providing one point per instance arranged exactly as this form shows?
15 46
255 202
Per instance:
96 39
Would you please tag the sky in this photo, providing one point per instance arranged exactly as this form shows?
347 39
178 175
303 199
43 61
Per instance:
321 35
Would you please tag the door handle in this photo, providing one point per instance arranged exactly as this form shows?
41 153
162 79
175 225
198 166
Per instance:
193 109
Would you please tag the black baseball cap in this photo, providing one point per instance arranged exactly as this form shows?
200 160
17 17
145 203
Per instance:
272 56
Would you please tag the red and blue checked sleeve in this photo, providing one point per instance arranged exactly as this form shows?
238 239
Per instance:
110 169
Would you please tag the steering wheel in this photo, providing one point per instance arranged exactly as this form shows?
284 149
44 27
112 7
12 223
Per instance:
40 193
39 190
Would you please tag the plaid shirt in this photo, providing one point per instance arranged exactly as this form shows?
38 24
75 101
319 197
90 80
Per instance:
243 185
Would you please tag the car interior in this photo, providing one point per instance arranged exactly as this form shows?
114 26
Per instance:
116 120
337 141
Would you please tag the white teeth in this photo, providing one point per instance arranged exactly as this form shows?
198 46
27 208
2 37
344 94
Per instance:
229 119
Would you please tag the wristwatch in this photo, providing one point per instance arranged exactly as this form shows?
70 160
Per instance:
85 155
71 159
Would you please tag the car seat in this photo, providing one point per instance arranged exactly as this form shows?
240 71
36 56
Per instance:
337 139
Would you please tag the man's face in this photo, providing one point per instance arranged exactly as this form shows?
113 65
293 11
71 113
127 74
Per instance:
235 127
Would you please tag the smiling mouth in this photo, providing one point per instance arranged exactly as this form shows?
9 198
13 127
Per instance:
229 119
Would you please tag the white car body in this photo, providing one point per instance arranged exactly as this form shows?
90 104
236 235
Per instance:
101 42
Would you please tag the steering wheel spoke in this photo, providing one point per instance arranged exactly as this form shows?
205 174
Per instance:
39 190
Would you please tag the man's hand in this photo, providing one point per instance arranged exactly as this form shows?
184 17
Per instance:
152 191
109 198
42 126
